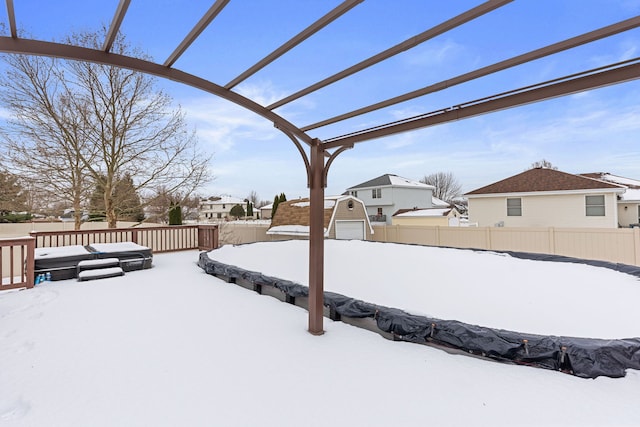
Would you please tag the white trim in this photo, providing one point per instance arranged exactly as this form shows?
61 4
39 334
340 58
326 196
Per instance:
548 193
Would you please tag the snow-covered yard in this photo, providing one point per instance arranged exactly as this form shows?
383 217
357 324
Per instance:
173 346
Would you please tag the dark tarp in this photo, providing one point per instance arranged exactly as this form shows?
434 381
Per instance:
583 357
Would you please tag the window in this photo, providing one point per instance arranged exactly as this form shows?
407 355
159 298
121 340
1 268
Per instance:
379 211
376 193
354 193
514 207
595 205
350 205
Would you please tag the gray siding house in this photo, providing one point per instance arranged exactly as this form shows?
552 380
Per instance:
385 195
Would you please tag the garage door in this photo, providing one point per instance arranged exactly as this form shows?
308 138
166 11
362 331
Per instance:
350 230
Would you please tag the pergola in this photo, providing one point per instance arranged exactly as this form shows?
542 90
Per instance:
318 154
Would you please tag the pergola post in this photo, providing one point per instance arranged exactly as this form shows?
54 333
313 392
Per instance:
316 238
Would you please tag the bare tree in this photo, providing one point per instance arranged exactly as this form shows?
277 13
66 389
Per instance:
44 137
446 185
161 201
121 124
544 163
254 198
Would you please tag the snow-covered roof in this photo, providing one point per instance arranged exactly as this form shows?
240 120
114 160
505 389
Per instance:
291 230
328 204
605 176
439 203
269 206
632 194
224 200
391 180
433 212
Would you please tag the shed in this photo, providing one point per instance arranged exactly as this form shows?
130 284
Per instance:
345 217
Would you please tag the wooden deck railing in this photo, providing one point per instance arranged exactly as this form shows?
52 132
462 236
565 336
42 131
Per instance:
17 254
16 263
159 239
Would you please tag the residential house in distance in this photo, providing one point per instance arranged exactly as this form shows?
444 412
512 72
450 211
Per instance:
439 216
218 208
265 211
542 197
628 202
345 217
385 195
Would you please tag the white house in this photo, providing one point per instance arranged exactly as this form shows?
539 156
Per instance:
265 211
628 202
542 197
218 208
385 195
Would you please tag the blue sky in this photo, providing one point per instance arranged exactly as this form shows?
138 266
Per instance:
593 131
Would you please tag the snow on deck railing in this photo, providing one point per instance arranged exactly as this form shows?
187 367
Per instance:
158 239
16 263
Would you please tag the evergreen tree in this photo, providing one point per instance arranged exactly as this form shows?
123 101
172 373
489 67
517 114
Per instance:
175 214
276 201
12 197
237 211
124 197
249 208
282 198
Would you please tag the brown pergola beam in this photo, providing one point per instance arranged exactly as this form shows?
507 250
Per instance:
496 103
115 24
340 10
11 14
41 48
196 31
490 69
448 25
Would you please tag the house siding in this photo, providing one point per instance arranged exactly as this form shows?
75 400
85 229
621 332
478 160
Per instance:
394 199
566 210
630 215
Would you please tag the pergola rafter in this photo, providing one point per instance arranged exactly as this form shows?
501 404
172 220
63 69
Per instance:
315 152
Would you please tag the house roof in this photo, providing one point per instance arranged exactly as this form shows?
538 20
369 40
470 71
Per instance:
224 200
606 176
633 185
292 217
426 212
544 179
390 180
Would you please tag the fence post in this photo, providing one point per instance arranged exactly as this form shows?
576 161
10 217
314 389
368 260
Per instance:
30 262
488 237
552 241
636 244
134 236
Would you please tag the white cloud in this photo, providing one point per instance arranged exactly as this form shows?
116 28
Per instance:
434 53
221 124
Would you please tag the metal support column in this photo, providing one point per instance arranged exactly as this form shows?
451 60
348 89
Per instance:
316 238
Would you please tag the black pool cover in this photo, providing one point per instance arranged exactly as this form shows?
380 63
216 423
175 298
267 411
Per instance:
583 357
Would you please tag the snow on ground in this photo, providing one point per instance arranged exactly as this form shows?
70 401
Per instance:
172 346
481 288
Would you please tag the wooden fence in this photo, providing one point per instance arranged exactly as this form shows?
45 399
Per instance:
618 245
17 254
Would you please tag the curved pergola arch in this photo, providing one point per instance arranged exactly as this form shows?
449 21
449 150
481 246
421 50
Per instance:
318 159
